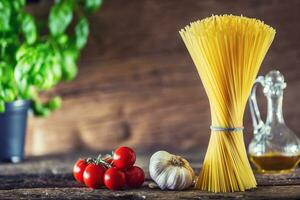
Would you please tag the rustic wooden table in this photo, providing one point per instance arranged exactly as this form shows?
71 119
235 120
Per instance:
50 178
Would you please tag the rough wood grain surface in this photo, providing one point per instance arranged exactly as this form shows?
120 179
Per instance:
50 178
261 193
138 86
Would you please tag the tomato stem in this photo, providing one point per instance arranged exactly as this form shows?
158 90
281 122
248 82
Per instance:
89 160
101 160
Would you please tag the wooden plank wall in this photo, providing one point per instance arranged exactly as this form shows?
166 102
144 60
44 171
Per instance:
137 85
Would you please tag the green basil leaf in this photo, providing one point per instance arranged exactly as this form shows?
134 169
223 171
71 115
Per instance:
5 14
23 50
2 106
7 69
18 4
2 70
63 39
48 78
54 103
57 71
92 5
23 66
70 71
39 109
38 80
60 17
28 28
8 95
36 67
81 33
26 91
69 66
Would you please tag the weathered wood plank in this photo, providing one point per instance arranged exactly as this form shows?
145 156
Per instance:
51 178
267 192
66 180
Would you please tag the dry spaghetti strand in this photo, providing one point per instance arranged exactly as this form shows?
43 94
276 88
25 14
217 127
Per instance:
227 51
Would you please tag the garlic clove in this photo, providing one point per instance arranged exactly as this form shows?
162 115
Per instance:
174 180
183 179
162 179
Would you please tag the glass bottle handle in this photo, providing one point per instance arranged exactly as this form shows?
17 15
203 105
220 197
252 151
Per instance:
255 114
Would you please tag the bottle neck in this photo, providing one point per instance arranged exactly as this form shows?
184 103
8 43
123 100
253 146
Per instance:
274 114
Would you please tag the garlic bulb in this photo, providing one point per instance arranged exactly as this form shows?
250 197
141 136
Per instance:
170 171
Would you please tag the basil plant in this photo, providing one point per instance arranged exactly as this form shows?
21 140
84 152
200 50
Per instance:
37 55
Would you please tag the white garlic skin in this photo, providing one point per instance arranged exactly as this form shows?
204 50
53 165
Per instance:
170 171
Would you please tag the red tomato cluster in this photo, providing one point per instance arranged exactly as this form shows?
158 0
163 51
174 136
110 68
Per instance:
115 172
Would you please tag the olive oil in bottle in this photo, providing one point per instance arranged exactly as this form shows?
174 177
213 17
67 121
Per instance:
275 148
275 163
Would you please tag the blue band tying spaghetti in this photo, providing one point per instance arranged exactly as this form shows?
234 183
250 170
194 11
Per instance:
217 128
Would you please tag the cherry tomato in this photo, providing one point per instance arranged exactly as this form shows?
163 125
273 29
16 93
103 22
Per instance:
124 157
114 179
135 177
93 175
78 170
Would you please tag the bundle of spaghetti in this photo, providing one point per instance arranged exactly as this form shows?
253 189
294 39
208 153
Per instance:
227 51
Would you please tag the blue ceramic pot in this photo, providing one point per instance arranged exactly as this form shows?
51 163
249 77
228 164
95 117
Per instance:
13 123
